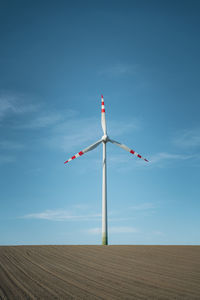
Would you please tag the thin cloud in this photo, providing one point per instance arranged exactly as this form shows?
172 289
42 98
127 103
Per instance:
114 230
116 159
157 160
47 119
158 233
61 215
120 127
73 134
78 133
14 105
164 156
4 159
10 145
81 206
40 122
189 138
123 229
118 70
143 206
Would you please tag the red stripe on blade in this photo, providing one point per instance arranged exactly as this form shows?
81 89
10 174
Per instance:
80 153
73 157
132 151
102 103
139 156
103 110
66 162
102 96
146 159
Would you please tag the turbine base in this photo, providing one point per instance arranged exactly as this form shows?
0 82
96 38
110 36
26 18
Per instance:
104 239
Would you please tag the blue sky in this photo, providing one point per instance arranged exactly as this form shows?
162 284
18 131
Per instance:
56 58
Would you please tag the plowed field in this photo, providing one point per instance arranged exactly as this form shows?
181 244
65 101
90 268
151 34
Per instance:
100 272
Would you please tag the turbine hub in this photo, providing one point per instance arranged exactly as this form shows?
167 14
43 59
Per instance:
104 138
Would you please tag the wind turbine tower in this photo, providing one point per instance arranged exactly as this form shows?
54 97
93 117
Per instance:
104 140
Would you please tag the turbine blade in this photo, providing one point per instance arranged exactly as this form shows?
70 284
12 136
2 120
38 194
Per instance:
103 117
91 147
127 149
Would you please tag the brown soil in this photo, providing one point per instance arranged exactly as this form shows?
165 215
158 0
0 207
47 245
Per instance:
100 272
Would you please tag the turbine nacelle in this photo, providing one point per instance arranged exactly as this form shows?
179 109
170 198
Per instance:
105 138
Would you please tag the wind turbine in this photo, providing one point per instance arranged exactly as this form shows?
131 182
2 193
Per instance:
105 139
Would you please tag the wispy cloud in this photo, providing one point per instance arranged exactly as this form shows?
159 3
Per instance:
40 121
4 159
125 163
75 133
10 145
120 127
117 159
189 138
144 206
188 141
119 69
158 233
79 132
68 131
114 230
46 119
123 229
10 104
164 156
61 215
40 116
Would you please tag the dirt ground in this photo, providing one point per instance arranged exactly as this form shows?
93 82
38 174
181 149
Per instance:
100 272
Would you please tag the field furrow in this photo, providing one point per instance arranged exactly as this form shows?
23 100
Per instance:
100 272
